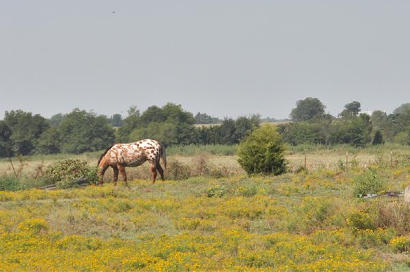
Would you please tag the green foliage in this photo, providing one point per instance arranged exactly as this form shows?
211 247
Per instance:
82 131
379 121
248 190
56 119
66 173
153 114
129 124
49 141
229 132
368 182
262 152
216 191
402 109
351 110
354 130
25 129
116 120
5 140
9 183
203 118
361 221
378 138
303 133
308 109
166 133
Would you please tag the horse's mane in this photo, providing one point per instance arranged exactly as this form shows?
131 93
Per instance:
103 154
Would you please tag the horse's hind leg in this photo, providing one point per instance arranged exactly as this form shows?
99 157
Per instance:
153 171
160 170
123 174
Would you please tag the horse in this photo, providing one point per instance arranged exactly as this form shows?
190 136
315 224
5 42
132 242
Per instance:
118 156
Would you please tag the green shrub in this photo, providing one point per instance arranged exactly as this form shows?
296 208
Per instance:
216 191
262 152
401 243
66 173
361 221
9 183
368 183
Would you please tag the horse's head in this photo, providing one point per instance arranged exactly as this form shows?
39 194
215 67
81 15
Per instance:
102 165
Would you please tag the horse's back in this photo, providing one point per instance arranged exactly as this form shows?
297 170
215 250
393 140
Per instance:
136 153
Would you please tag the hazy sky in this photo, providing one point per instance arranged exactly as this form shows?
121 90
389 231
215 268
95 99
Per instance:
225 58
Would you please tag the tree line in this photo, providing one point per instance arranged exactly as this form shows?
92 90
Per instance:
24 133
311 125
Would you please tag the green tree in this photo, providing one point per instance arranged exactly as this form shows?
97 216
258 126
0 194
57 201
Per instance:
262 152
355 131
402 109
304 133
175 113
308 109
164 132
49 141
203 118
56 119
5 140
26 129
351 110
380 122
244 126
152 114
378 138
131 122
116 120
82 131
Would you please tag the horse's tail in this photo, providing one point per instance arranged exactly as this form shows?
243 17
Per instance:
163 156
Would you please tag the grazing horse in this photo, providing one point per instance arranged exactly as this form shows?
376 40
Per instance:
119 156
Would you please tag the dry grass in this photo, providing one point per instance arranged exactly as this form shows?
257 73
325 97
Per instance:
220 165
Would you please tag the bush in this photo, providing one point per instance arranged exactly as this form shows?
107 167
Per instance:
368 183
401 244
262 152
216 191
394 215
66 173
361 221
178 171
9 183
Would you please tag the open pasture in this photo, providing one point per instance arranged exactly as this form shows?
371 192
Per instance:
305 221
220 160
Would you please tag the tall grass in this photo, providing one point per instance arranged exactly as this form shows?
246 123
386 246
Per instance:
189 150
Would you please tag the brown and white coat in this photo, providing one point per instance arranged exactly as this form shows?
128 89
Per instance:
119 156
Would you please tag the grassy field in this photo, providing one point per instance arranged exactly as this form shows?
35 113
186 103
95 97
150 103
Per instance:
217 161
215 220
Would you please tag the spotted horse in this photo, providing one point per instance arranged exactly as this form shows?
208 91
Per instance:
119 156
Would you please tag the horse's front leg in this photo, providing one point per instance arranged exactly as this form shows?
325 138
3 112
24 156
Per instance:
101 175
115 169
123 173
